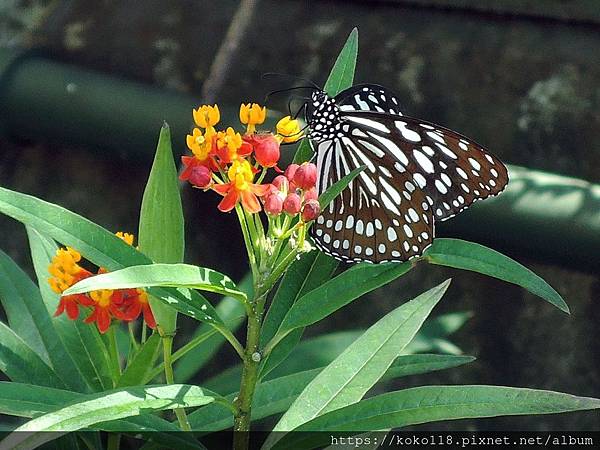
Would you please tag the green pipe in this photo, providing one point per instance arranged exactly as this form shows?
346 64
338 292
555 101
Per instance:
40 98
542 216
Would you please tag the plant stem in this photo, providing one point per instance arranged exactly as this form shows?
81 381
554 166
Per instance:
167 349
113 441
114 354
241 422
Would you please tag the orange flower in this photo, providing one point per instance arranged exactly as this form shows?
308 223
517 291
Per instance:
203 146
104 309
230 146
241 188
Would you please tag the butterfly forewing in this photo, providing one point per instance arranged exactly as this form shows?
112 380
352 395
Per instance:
415 173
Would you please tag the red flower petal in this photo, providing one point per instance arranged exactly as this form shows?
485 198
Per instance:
230 200
148 316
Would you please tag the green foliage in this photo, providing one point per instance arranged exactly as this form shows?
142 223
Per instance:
430 404
169 275
161 229
362 364
96 408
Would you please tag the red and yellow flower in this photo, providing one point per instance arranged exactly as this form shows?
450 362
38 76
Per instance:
106 304
241 188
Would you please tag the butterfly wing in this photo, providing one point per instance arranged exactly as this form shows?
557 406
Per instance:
374 219
368 97
415 171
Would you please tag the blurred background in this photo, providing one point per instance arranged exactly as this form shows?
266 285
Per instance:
85 86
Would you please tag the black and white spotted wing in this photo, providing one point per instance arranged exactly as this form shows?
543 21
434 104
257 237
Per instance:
416 173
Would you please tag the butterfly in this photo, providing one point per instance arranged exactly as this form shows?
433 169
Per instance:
416 173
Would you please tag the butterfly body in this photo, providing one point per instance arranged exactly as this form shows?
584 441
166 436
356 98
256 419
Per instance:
416 173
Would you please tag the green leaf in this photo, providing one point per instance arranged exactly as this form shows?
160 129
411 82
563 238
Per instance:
169 275
26 400
29 318
406 365
334 190
478 258
362 364
338 292
341 77
161 229
86 351
99 246
320 350
234 314
19 296
342 73
276 395
95 408
431 404
141 365
434 333
20 363
309 272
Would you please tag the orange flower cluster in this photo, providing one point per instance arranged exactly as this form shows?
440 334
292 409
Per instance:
228 162
106 304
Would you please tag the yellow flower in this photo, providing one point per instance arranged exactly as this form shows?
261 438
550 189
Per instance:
127 237
207 116
288 130
200 144
240 174
64 269
252 115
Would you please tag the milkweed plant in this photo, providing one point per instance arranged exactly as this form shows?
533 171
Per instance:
90 345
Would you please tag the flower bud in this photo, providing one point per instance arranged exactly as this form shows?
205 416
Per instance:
311 194
273 204
200 176
292 204
311 210
266 149
281 183
290 171
289 130
305 176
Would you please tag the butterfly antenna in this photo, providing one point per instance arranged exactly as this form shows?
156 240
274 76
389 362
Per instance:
312 84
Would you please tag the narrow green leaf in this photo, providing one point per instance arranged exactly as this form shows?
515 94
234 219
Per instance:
141 365
79 350
363 363
309 272
431 404
434 333
19 296
26 400
339 291
276 395
233 314
334 190
161 229
478 258
99 246
165 275
320 350
406 365
20 363
341 77
342 73
106 406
